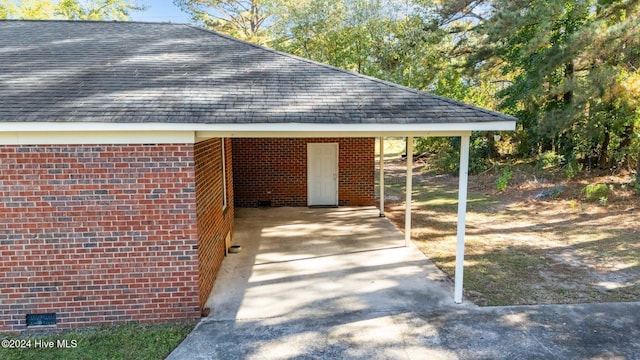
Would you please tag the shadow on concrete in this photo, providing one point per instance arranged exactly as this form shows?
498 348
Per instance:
335 284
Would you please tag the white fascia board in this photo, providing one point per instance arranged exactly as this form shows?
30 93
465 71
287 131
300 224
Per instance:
349 130
35 133
95 137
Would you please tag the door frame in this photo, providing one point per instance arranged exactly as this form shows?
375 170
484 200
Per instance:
337 147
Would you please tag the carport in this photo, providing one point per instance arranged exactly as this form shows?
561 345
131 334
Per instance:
462 130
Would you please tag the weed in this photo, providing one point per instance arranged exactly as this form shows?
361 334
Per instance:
573 205
595 192
503 180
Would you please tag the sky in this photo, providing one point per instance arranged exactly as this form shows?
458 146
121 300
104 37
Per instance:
159 11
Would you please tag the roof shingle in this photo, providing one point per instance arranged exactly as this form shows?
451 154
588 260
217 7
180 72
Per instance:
64 71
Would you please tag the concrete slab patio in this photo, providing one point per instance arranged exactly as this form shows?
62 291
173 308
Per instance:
339 284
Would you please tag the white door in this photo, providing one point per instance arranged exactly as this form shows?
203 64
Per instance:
322 174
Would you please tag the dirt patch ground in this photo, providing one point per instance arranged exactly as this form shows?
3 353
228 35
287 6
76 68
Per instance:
538 242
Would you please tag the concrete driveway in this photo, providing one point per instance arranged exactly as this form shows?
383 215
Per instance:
339 284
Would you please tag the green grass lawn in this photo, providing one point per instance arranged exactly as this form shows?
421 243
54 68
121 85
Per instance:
130 341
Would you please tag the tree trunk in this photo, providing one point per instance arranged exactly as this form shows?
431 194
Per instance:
625 142
568 75
638 170
602 159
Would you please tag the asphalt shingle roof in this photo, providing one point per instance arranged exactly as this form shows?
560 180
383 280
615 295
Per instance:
64 71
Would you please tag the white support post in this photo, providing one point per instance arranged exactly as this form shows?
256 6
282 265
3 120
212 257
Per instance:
408 190
381 182
462 213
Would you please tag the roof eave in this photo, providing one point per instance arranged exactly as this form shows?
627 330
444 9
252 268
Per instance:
39 133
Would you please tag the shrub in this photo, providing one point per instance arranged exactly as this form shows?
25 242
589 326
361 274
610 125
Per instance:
572 169
433 145
479 154
596 192
448 160
549 159
448 153
503 180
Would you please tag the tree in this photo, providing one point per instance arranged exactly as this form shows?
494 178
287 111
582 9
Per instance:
96 9
27 9
243 19
373 37
69 9
567 60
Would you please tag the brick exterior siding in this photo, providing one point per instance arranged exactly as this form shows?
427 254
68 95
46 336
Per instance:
275 169
214 222
105 234
98 234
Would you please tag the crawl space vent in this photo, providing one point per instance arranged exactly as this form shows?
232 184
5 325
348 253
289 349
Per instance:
41 319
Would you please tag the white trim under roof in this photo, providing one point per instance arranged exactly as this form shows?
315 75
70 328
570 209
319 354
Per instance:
40 133
95 137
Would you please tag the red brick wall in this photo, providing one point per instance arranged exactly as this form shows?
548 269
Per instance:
271 169
214 222
98 234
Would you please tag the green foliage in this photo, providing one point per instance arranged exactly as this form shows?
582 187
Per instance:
243 19
571 69
596 192
479 154
69 9
572 169
96 9
381 38
503 180
27 9
432 145
549 159
447 152
448 161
